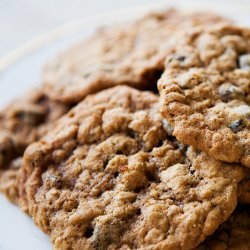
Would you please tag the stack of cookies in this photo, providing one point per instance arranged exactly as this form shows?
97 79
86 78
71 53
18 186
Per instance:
138 138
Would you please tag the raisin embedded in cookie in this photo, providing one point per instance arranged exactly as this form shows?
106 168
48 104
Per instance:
22 122
131 54
109 176
234 234
205 92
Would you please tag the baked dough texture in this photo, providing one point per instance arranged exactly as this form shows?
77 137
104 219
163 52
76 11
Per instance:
21 123
110 176
205 92
131 54
234 234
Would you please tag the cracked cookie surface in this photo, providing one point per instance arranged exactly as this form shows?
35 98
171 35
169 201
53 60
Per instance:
234 234
130 54
205 92
21 123
109 176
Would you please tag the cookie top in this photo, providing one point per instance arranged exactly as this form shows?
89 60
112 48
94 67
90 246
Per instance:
131 54
109 176
22 122
234 234
205 92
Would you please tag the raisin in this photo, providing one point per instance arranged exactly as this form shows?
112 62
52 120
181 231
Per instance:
177 58
237 126
31 117
228 92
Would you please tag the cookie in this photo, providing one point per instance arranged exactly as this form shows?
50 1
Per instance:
130 54
234 234
205 92
244 189
109 176
9 180
22 122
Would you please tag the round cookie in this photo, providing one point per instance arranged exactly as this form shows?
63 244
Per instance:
205 92
131 54
109 176
234 234
22 122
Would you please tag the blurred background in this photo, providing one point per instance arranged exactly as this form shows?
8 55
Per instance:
21 20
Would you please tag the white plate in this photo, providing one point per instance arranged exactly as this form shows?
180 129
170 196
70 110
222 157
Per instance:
20 70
